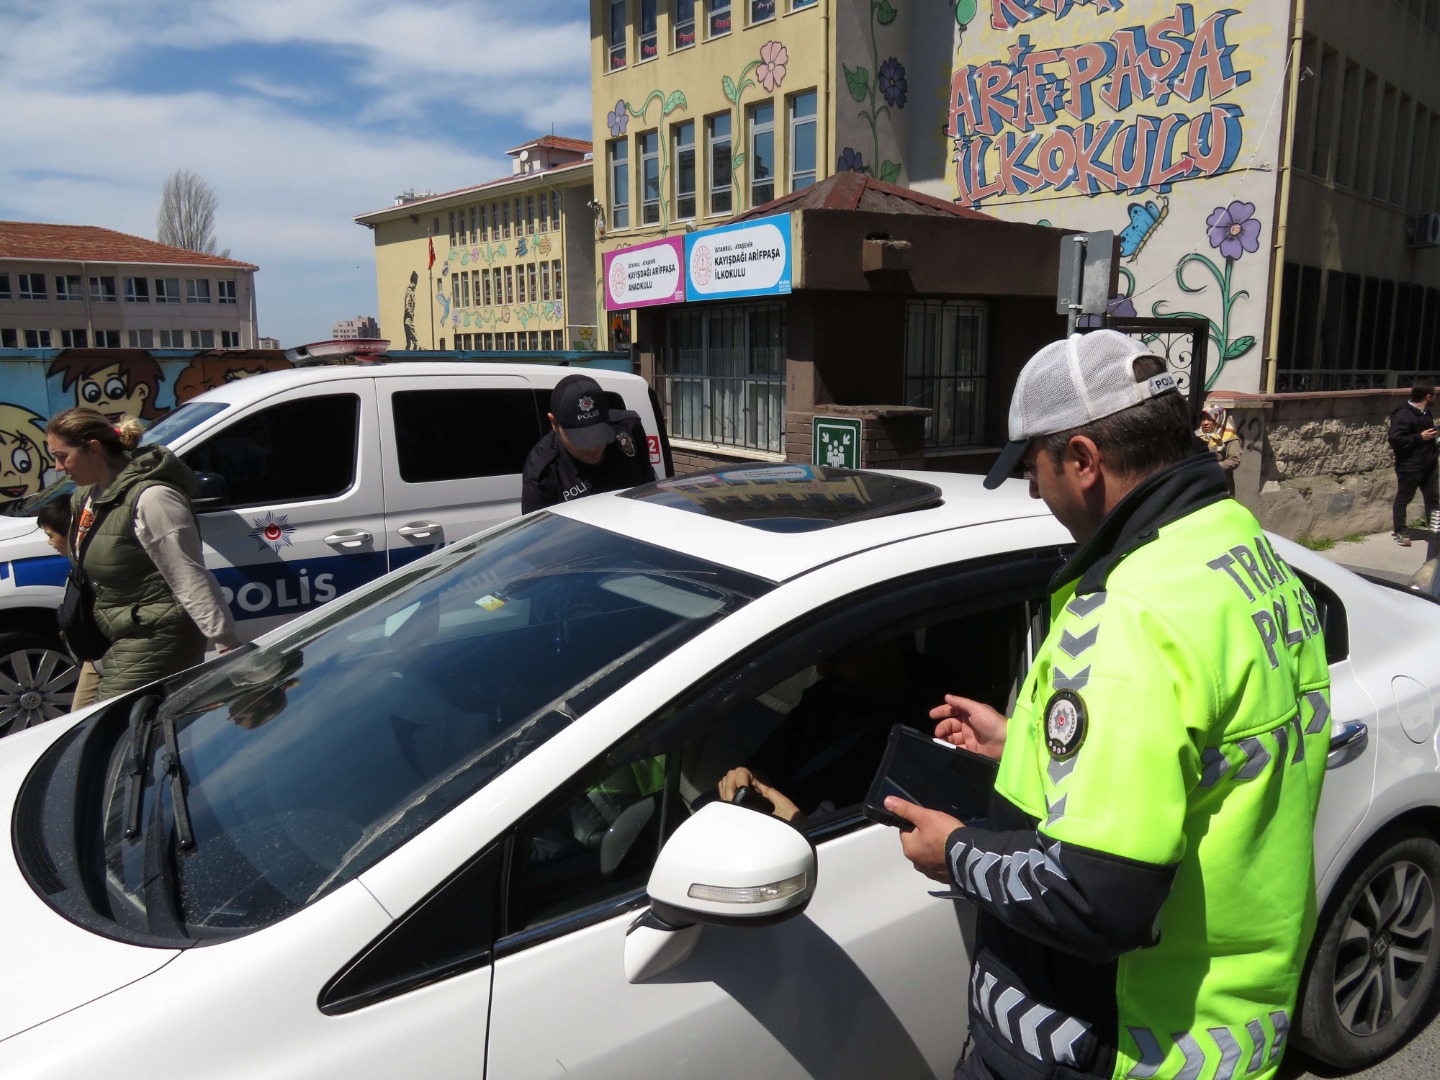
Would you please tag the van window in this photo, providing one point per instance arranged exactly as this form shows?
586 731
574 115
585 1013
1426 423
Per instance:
458 434
292 452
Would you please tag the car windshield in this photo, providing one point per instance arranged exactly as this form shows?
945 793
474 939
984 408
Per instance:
187 416
307 760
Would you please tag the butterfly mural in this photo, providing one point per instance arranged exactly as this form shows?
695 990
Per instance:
1145 218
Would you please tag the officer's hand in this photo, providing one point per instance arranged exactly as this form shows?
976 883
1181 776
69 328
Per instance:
1429 433
924 845
972 725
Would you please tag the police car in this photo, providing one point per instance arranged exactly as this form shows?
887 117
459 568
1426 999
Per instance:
313 482
459 822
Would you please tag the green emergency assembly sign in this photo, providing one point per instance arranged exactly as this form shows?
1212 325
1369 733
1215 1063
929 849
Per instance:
836 442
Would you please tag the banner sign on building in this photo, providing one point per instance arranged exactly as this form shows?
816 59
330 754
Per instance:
750 258
645 275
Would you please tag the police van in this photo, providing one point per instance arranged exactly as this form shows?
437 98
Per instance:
311 483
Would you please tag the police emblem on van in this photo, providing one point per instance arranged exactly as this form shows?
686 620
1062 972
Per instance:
272 531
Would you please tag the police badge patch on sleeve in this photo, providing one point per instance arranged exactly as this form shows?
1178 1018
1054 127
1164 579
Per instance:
626 443
1065 721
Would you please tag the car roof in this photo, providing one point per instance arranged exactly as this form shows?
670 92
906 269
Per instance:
256 387
959 502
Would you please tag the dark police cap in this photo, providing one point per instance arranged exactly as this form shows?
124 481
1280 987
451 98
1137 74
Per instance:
578 405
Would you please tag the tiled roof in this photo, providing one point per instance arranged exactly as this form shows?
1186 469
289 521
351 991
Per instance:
857 191
556 142
73 243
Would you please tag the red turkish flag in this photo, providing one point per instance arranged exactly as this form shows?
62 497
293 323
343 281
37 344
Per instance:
431 264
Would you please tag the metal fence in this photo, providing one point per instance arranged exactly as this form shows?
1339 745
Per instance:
721 376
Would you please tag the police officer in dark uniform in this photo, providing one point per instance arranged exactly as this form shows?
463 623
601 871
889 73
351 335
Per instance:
589 448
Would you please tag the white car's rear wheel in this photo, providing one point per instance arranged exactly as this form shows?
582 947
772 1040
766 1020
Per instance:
1377 954
37 681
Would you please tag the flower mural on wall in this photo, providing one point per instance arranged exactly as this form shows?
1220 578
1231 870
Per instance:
850 160
892 83
887 81
617 119
773 58
1232 230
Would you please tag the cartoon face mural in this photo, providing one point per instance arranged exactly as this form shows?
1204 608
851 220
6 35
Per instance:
23 457
118 389
202 375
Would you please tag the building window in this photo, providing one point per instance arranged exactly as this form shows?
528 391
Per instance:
464 289
67 287
683 169
452 228
4 287
485 284
530 213
37 339
142 339
531 276
799 5
72 339
230 339
9 339
202 339
545 281
762 152
802 140
509 285
650 177
506 206
617 34
107 339
197 291
721 375
102 290
474 225
649 39
137 290
761 11
619 154
485 222
227 291
717 134
555 275
945 369
172 339
510 341
543 222
534 340
555 211
520 283
167 290
718 12
683 20
32 287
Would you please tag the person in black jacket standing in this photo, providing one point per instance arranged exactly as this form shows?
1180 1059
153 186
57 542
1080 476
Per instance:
1412 437
589 448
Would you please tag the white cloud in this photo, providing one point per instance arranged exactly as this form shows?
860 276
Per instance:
292 159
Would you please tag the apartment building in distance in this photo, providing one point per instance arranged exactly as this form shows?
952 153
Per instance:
362 326
81 286
507 265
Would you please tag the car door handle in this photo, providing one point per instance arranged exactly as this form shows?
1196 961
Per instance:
350 538
419 530
1352 736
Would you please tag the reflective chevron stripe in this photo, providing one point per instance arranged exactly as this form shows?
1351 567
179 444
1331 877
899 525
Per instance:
1006 879
1041 1032
1072 646
1081 606
1281 1021
1213 766
1229 1052
1257 1041
1153 1054
1060 768
1070 682
1256 758
1321 719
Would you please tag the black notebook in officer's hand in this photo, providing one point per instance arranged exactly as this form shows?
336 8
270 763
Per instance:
931 773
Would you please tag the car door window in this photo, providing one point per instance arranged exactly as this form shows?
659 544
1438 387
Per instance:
459 434
296 451
809 710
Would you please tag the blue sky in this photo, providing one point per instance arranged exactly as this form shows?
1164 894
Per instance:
299 113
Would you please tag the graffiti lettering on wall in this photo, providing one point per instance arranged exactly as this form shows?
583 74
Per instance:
867 85
133 385
996 108
1008 14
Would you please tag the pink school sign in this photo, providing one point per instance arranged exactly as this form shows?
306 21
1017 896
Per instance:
646 274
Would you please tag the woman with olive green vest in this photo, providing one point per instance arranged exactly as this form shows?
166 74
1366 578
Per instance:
135 536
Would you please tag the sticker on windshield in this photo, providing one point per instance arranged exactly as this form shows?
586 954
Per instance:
491 602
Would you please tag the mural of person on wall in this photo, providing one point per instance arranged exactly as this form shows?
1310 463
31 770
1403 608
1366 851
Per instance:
411 341
202 375
24 460
116 388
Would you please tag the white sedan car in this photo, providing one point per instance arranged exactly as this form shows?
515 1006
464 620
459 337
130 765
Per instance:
462 823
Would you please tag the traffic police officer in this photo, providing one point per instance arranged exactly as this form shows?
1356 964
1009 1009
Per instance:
589 448
1145 881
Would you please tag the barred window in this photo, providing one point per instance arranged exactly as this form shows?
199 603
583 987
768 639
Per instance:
946 369
722 375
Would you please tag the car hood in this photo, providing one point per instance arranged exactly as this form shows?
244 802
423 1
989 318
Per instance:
14 528
64 965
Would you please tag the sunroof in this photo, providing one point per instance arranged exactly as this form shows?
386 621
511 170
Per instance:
789 498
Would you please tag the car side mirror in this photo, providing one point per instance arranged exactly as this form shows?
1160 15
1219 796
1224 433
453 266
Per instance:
726 866
211 491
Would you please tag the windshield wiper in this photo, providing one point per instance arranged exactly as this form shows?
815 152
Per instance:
140 714
170 764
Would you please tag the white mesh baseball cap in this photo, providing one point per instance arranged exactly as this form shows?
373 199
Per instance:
1069 383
